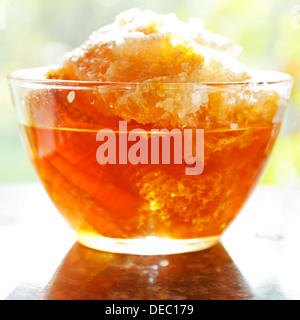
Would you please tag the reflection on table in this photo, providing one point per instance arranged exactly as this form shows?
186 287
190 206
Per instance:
90 274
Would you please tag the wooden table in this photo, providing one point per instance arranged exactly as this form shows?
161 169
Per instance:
257 258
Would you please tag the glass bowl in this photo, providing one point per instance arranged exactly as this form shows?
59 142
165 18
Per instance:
149 168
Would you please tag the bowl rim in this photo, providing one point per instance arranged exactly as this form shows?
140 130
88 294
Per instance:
23 76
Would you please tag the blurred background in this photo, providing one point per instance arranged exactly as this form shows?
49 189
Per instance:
37 33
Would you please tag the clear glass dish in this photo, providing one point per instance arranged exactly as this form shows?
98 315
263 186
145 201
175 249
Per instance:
149 168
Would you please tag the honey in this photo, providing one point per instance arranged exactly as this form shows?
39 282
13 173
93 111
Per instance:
127 201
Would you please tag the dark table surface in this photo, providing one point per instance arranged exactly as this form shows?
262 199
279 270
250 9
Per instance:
258 256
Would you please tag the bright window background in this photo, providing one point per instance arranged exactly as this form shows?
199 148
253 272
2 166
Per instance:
36 33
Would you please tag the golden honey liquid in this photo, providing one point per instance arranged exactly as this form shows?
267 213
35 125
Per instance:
137 201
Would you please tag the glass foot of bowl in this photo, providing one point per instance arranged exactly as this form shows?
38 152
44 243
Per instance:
146 246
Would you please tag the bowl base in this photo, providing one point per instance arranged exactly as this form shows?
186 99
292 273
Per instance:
146 246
